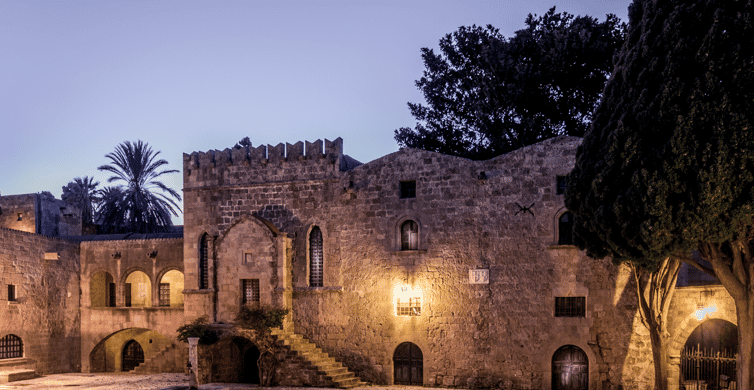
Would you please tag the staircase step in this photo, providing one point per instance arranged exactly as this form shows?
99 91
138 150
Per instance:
17 375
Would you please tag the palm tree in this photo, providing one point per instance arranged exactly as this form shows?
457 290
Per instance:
134 207
82 193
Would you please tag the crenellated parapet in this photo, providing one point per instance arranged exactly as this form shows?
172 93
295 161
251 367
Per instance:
264 164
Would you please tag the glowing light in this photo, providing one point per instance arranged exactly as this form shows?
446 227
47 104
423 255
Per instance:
407 300
702 312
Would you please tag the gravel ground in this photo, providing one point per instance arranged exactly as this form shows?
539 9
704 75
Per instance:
142 382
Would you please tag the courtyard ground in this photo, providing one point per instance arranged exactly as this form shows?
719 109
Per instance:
119 381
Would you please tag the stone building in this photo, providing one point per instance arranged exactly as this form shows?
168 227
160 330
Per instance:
415 268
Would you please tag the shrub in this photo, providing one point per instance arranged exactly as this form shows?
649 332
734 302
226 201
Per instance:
262 318
199 328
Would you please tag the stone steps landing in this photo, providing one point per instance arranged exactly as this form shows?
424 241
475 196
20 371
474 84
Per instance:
163 361
325 365
17 375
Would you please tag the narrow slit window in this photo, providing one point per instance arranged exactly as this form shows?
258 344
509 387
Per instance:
204 262
316 258
565 229
11 293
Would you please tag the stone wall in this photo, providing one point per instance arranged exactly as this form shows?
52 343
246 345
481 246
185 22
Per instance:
45 314
499 215
104 330
18 212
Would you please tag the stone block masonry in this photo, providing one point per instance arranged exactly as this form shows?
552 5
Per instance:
45 310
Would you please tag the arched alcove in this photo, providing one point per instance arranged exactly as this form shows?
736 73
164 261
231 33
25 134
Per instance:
138 290
171 289
101 290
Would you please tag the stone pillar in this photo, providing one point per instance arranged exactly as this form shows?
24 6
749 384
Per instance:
674 372
193 363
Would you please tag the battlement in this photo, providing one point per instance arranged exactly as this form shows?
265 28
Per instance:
265 163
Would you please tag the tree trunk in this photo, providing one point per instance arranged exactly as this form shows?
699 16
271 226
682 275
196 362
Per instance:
655 291
660 344
745 315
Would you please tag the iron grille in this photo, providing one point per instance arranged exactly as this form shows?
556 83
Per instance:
316 258
204 263
706 369
11 347
412 307
250 291
164 294
570 306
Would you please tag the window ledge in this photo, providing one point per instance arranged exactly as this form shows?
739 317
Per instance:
13 303
561 246
199 291
410 251
14 362
318 289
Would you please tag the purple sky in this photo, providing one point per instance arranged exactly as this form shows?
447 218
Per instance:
79 77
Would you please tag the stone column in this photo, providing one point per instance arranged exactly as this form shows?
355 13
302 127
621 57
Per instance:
193 363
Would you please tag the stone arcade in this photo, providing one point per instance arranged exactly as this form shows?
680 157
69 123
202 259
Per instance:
415 268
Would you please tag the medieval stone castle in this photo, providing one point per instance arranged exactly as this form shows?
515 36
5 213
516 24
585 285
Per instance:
415 268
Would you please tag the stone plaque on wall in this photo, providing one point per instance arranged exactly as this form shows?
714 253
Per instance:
479 276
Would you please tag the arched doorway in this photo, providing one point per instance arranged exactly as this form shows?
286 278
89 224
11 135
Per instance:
250 371
708 359
133 355
408 363
570 369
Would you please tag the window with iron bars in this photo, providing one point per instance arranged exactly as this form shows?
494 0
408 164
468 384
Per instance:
164 294
250 290
11 347
316 258
412 307
570 306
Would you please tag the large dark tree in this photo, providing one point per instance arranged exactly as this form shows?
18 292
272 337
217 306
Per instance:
487 95
135 206
667 166
82 192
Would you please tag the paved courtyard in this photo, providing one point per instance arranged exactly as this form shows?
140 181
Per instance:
121 381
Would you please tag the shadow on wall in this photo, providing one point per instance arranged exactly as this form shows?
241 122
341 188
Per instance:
110 354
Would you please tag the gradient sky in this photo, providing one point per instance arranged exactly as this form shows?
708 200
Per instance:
79 77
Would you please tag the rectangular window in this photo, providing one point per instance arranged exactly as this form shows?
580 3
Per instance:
127 292
11 292
570 306
165 294
248 258
410 307
250 290
561 184
111 295
408 189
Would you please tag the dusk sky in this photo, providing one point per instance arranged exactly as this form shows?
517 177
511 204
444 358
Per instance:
79 77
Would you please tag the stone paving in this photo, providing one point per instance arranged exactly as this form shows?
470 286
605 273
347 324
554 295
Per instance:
119 381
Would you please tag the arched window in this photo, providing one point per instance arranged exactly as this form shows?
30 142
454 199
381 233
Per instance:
316 258
565 229
11 347
204 262
409 236
133 355
570 368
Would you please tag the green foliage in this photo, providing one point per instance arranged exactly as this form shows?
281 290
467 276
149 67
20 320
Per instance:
199 328
260 318
668 163
487 95
135 207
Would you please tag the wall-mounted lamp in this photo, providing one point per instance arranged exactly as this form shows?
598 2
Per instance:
20 218
152 254
701 311
116 255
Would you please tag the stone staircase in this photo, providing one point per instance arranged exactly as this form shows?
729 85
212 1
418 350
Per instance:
323 363
163 361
